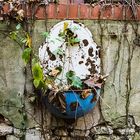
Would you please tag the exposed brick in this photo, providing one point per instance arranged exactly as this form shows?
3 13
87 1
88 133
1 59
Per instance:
28 11
61 11
6 8
31 9
106 12
138 12
84 11
117 12
128 13
73 11
95 12
51 11
41 12
64 2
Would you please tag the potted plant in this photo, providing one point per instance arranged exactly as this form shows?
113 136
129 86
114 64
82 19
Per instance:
70 66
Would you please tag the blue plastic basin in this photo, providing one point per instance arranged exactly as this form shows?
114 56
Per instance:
75 105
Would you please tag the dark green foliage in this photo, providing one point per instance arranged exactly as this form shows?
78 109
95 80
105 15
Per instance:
26 55
37 75
74 80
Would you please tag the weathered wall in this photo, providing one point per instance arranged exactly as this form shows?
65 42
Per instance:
117 115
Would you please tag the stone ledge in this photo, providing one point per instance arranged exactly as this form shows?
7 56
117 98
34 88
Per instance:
5 130
83 11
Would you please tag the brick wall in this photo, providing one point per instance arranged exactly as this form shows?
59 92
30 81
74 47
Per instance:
84 11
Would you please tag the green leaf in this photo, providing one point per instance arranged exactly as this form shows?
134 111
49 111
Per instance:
74 40
73 80
42 84
59 39
52 41
39 83
26 55
23 40
18 26
61 34
58 51
13 35
45 34
75 28
34 60
36 83
37 72
76 82
70 74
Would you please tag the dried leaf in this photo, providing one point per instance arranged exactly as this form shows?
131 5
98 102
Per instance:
57 99
28 41
20 14
32 99
86 93
62 102
49 81
51 96
65 25
74 106
54 72
94 99
96 81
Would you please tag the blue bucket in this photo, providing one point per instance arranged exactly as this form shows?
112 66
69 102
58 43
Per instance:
75 105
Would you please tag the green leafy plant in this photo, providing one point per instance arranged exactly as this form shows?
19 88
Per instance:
38 75
68 35
26 55
59 51
45 34
23 39
18 26
74 80
13 35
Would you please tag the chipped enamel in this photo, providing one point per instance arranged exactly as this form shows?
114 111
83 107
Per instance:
83 59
